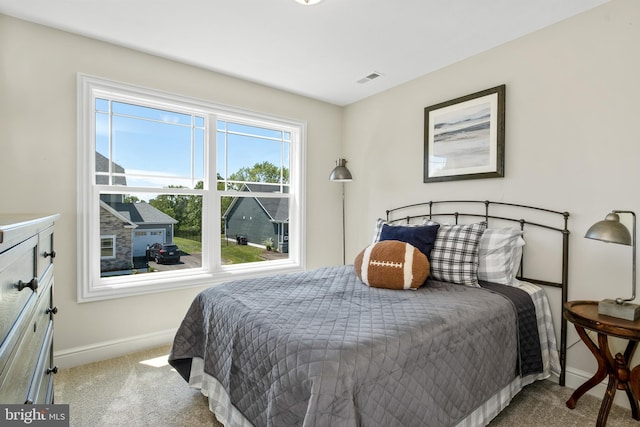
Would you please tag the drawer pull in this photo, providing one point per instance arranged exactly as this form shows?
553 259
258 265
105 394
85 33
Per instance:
31 284
53 310
53 370
51 254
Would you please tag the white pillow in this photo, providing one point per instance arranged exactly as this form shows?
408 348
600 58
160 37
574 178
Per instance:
499 254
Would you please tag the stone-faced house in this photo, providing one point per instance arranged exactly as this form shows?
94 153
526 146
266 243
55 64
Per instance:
116 240
126 229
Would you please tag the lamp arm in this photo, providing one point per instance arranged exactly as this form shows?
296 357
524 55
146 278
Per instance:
633 261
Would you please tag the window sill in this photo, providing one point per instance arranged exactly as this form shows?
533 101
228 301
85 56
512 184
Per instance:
110 288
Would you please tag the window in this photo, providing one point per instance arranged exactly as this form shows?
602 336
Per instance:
224 185
107 246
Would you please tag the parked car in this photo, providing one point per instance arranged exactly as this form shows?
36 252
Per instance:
163 253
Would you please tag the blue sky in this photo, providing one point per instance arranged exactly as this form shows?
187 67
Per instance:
162 152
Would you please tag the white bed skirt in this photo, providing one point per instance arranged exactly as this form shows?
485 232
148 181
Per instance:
229 416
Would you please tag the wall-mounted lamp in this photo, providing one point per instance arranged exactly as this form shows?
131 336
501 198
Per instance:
341 174
308 2
611 230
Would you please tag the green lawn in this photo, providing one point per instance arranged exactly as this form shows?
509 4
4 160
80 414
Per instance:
188 246
236 254
231 252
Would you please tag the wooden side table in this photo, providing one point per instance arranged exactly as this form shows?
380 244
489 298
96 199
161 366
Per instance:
584 315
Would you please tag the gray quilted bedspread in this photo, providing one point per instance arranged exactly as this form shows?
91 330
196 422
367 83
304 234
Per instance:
322 349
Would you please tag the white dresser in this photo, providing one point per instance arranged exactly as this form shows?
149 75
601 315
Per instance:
26 308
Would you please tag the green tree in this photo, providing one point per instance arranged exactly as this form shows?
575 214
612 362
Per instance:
261 172
174 205
131 199
192 219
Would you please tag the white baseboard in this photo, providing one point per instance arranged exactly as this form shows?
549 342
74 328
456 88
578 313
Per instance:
574 378
109 349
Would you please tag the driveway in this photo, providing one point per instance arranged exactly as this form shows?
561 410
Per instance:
195 261
186 261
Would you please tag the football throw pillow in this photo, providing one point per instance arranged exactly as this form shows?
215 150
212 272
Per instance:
392 264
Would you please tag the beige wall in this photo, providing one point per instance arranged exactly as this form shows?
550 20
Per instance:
572 142
572 109
38 70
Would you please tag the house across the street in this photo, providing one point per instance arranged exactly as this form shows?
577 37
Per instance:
259 218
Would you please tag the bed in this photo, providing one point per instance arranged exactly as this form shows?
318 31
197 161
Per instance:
321 348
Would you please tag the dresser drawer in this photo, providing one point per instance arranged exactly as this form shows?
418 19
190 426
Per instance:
17 379
40 390
17 265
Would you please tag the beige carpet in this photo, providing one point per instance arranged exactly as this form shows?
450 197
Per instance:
140 389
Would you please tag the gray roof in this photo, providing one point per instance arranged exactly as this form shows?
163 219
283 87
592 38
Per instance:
102 165
143 213
276 207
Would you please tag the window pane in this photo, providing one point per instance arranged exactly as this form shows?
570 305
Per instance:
254 229
138 111
198 160
102 105
247 154
152 148
102 134
254 131
154 232
252 154
286 160
221 156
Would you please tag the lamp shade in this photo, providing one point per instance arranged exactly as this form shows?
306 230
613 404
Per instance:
340 173
610 230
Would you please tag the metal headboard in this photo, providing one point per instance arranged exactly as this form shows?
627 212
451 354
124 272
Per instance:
486 210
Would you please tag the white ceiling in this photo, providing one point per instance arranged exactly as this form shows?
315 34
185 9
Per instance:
319 51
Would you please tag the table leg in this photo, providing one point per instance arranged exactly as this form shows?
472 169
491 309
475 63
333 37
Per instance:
633 401
607 401
619 376
624 374
600 374
634 381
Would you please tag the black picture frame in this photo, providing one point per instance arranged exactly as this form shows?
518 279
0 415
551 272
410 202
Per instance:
464 137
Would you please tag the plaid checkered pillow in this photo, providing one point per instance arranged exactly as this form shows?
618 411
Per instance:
454 257
499 255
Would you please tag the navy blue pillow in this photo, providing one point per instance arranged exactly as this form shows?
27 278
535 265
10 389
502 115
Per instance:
422 237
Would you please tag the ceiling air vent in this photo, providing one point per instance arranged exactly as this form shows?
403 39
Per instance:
370 77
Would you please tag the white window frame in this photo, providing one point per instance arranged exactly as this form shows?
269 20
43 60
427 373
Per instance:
93 287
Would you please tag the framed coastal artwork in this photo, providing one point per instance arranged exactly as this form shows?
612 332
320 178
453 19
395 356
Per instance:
464 137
